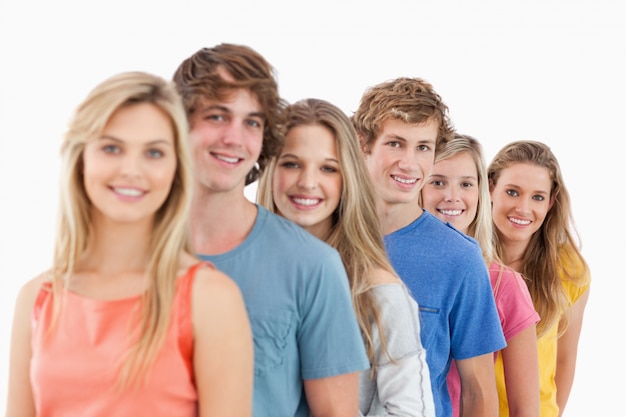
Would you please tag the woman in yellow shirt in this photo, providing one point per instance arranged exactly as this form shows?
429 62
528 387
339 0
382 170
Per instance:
534 234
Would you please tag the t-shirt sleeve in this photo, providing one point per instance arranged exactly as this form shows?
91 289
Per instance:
403 386
514 303
329 338
474 323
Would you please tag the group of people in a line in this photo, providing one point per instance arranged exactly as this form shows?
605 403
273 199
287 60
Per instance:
384 270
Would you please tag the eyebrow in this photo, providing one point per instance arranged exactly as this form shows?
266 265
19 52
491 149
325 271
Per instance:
532 191
290 155
225 109
151 143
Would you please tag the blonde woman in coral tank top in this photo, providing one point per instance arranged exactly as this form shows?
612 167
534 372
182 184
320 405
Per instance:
127 322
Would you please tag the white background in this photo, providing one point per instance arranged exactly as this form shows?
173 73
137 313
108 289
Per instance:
545 70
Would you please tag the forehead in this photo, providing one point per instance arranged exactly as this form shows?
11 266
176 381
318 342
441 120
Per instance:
526 175
461 164
310 138
140 121
238 100
426 132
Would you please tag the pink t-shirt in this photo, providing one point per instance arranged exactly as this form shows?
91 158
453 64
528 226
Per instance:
516 311
74 369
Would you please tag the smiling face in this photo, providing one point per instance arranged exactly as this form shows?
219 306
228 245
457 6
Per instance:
520 201
307 179
451 191
226 140
400 158
128 171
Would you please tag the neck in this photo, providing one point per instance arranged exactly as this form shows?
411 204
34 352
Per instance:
396 216
220 221
117 247
513 253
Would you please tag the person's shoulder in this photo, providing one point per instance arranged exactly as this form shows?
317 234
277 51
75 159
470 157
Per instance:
34 284
290 235
30 289
380 276
503 276
214 286
448 235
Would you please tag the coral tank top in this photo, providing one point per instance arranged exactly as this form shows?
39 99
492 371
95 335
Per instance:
74 369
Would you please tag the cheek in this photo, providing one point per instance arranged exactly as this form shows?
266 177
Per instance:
164 174
92 172
426 162
335 188
281 183
428 197
472 202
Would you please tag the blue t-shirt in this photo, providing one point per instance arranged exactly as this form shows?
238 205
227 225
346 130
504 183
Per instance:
445 272
297 295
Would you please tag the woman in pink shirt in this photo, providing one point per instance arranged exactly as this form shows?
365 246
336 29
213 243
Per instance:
457 192
127 321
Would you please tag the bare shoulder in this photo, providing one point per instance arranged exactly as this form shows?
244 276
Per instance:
217 304
27 295
381 276
31 288
215 287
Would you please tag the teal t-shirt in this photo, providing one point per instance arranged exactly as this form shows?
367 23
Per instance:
297 295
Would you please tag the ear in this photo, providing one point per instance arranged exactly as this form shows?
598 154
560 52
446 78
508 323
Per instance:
363 145
491 186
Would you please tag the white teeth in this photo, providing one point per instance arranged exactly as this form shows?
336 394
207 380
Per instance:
227 159
306 201
130 192
451 212
404 180
520 222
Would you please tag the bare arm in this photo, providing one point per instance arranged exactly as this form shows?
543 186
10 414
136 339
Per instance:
336 396
223 348
567 351
521 373
479 396
20 396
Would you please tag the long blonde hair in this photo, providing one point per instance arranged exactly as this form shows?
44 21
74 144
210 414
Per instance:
356 233
552 253
170 236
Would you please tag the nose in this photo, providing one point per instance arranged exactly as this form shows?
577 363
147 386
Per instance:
307 180
451 194
131 165
233 133
408 161
522 206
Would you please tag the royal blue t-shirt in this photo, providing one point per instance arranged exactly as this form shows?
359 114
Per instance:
445 272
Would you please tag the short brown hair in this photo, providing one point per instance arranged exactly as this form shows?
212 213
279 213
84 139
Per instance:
411 100
198 77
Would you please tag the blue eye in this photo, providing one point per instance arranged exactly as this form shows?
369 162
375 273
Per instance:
215 117
111 149
289 164
154 153
255 123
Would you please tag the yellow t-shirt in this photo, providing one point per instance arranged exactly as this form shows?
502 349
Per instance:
546 347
